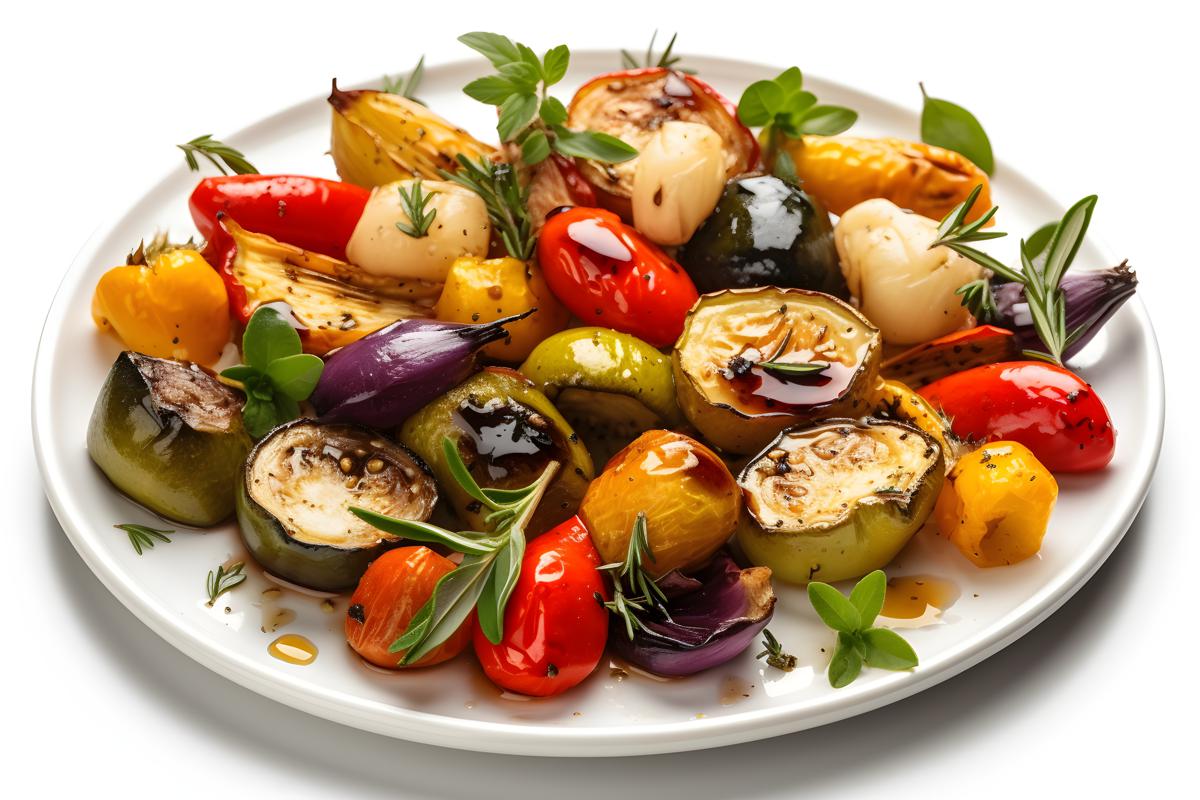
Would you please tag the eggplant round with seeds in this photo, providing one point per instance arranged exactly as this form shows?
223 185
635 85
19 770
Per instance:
170 436
296 491
838 499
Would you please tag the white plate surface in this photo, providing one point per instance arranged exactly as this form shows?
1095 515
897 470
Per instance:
610 714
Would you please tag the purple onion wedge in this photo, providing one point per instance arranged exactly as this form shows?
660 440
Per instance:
386 376
711 618
1091 298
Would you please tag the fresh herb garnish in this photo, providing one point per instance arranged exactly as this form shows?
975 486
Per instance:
277 375
222 580
951 126
665 59
1045 258
529 116
858 642
740 365
633 588
784 109
504 198
406 86
220 154
491 562
774 654
141 536
415 200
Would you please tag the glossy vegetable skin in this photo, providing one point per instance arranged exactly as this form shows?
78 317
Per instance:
843 171
608 274
169 436
765 232
954 352
172 307
688 495
554 628
390 593
1045 407
996 504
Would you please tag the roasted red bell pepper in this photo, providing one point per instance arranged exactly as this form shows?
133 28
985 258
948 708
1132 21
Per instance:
954 352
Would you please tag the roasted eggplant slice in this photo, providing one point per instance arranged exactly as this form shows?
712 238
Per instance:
838 499
633 105
738 363
506 432
170 436
295 494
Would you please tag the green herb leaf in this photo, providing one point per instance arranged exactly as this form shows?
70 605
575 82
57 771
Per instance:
499 588
867 596
535 149
592 144
555 63
222 580
833 608
504 199
1066 240
553 112
296 376
524 76
454 596
221 155
495 48
951 126
143 537
797 370
462 475
827 120
492 90
239 373
784 109
845 665
630 61
406 87
760 102
268 336
773 652
1038 241
415 202
515 113
258 417
470 542
886 649
634 590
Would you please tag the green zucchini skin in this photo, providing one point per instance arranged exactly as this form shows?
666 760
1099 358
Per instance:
154 456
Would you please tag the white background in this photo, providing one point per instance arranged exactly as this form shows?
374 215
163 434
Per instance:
1091 99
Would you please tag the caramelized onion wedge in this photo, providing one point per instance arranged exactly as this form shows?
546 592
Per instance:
838 499
737 404
632 105
296 491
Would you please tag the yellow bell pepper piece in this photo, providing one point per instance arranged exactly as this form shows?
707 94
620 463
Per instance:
482 290
173 307
996 503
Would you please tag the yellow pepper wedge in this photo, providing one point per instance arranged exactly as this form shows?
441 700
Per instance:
481 290
175 306
843 171
996 504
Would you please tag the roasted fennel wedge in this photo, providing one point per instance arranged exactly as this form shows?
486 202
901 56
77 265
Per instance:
751 362
837 499
296 491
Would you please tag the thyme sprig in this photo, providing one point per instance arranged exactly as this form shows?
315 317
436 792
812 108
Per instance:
665 59
142 536
415 201
504 199
491 563
406 86
773 652
222 580
633 588
221 155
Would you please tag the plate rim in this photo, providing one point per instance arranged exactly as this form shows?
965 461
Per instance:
549 739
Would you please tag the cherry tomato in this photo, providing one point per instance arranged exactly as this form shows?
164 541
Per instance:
554 628
607 274
1045 407
389 593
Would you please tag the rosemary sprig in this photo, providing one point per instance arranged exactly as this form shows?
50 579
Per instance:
633 588
665 59
739 365
774 654
415 200
1041 272
141 536
220 154
504 198
406 86
491 564
222 580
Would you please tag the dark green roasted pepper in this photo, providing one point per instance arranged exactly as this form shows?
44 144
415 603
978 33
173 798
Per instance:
170 436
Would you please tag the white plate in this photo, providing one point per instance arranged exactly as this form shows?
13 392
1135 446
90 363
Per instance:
454 705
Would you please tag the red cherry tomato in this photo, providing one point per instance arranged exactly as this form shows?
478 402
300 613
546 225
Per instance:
554 628
1047 408
607 274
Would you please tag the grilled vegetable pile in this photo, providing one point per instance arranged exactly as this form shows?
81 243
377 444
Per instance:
596 380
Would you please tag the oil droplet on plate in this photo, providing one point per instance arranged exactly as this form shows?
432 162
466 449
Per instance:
293 649
735 690
912 597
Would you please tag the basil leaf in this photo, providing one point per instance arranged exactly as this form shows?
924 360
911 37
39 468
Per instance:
833 608
523 75
268 336
592 144
553 112
554 64
790 80
453 598
258 417
827 120
296 376
286 409
492 90
886 649
499 588
845 666
867 596
760 102
495 48
951 126
535 148
239 373
515 113
529 58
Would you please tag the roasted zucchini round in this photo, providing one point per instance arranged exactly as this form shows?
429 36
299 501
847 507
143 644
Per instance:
296 491
837 499
738 363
